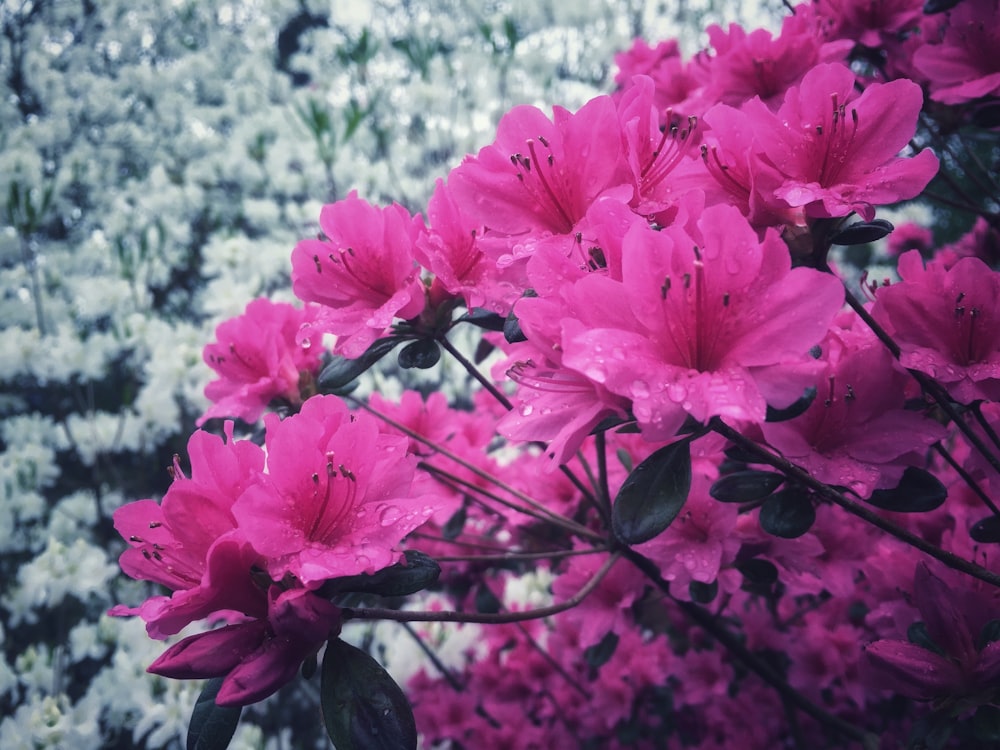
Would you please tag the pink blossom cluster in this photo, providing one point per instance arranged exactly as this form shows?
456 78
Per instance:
658 264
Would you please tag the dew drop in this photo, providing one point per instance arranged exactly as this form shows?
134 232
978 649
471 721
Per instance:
526 410
676 392
640 389
389 515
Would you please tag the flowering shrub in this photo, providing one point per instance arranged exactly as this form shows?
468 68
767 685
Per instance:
685 479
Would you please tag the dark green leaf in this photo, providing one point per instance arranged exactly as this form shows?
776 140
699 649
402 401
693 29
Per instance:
486 601
212 726
599 654
918 492
863 232
939 6
917 635
989 633
788 513
421 354
986 724
453 527
931 732
986 531
512 330
792 411
987 116
342 370
703 593
745 486
419 572
758 572
489 321
653 494
363 708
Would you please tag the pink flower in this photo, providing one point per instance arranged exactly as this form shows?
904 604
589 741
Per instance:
837 154
539 177
190 542
965 66
856 433
262 355
947 323
715 324
336 499
910 236
259 656
364 272
954 614
869 22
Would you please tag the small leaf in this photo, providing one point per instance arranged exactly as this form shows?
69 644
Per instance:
758 572
363 709
421 354
787 514
989 633
918 492
653 494
419 572
745 486
486 601
512 330
986 531
489 321
863 232
918 635
703 593
454 525
939 6
599 654
212 726
342 370
794 410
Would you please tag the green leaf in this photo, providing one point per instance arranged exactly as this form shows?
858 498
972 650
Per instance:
792 411
703 593
989 633
419 572
363 709
787 514
489 321
863 232
212 726
986 531
918 492
599 654
454 525
918 635
421 354
758 573
745 486
653 494
486 601
342 370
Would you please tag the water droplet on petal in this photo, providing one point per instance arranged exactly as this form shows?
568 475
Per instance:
526 410
640 389
389 515
676 392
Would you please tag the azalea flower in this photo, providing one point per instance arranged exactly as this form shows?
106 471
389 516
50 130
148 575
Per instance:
837 154
267 353
965 65
946 322
961 669
363 272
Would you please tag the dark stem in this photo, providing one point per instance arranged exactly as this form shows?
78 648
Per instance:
430 654
803 477
474 372
966 477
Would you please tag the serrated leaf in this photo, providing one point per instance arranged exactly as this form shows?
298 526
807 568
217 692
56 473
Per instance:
918 491
863 232
212 727
787 514
341 370
363 708
745 486
419 572
653 494
794 410
986 531
600 653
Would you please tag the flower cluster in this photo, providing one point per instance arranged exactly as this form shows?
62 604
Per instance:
728 463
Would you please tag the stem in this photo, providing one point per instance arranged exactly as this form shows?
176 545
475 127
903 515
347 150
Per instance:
30 260
432 655
966 477
603 490
708 622
578 529
803 477
498 618
474 372
520 556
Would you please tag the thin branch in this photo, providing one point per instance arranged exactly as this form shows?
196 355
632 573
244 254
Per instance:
825 491
399 615
474 372
966 477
